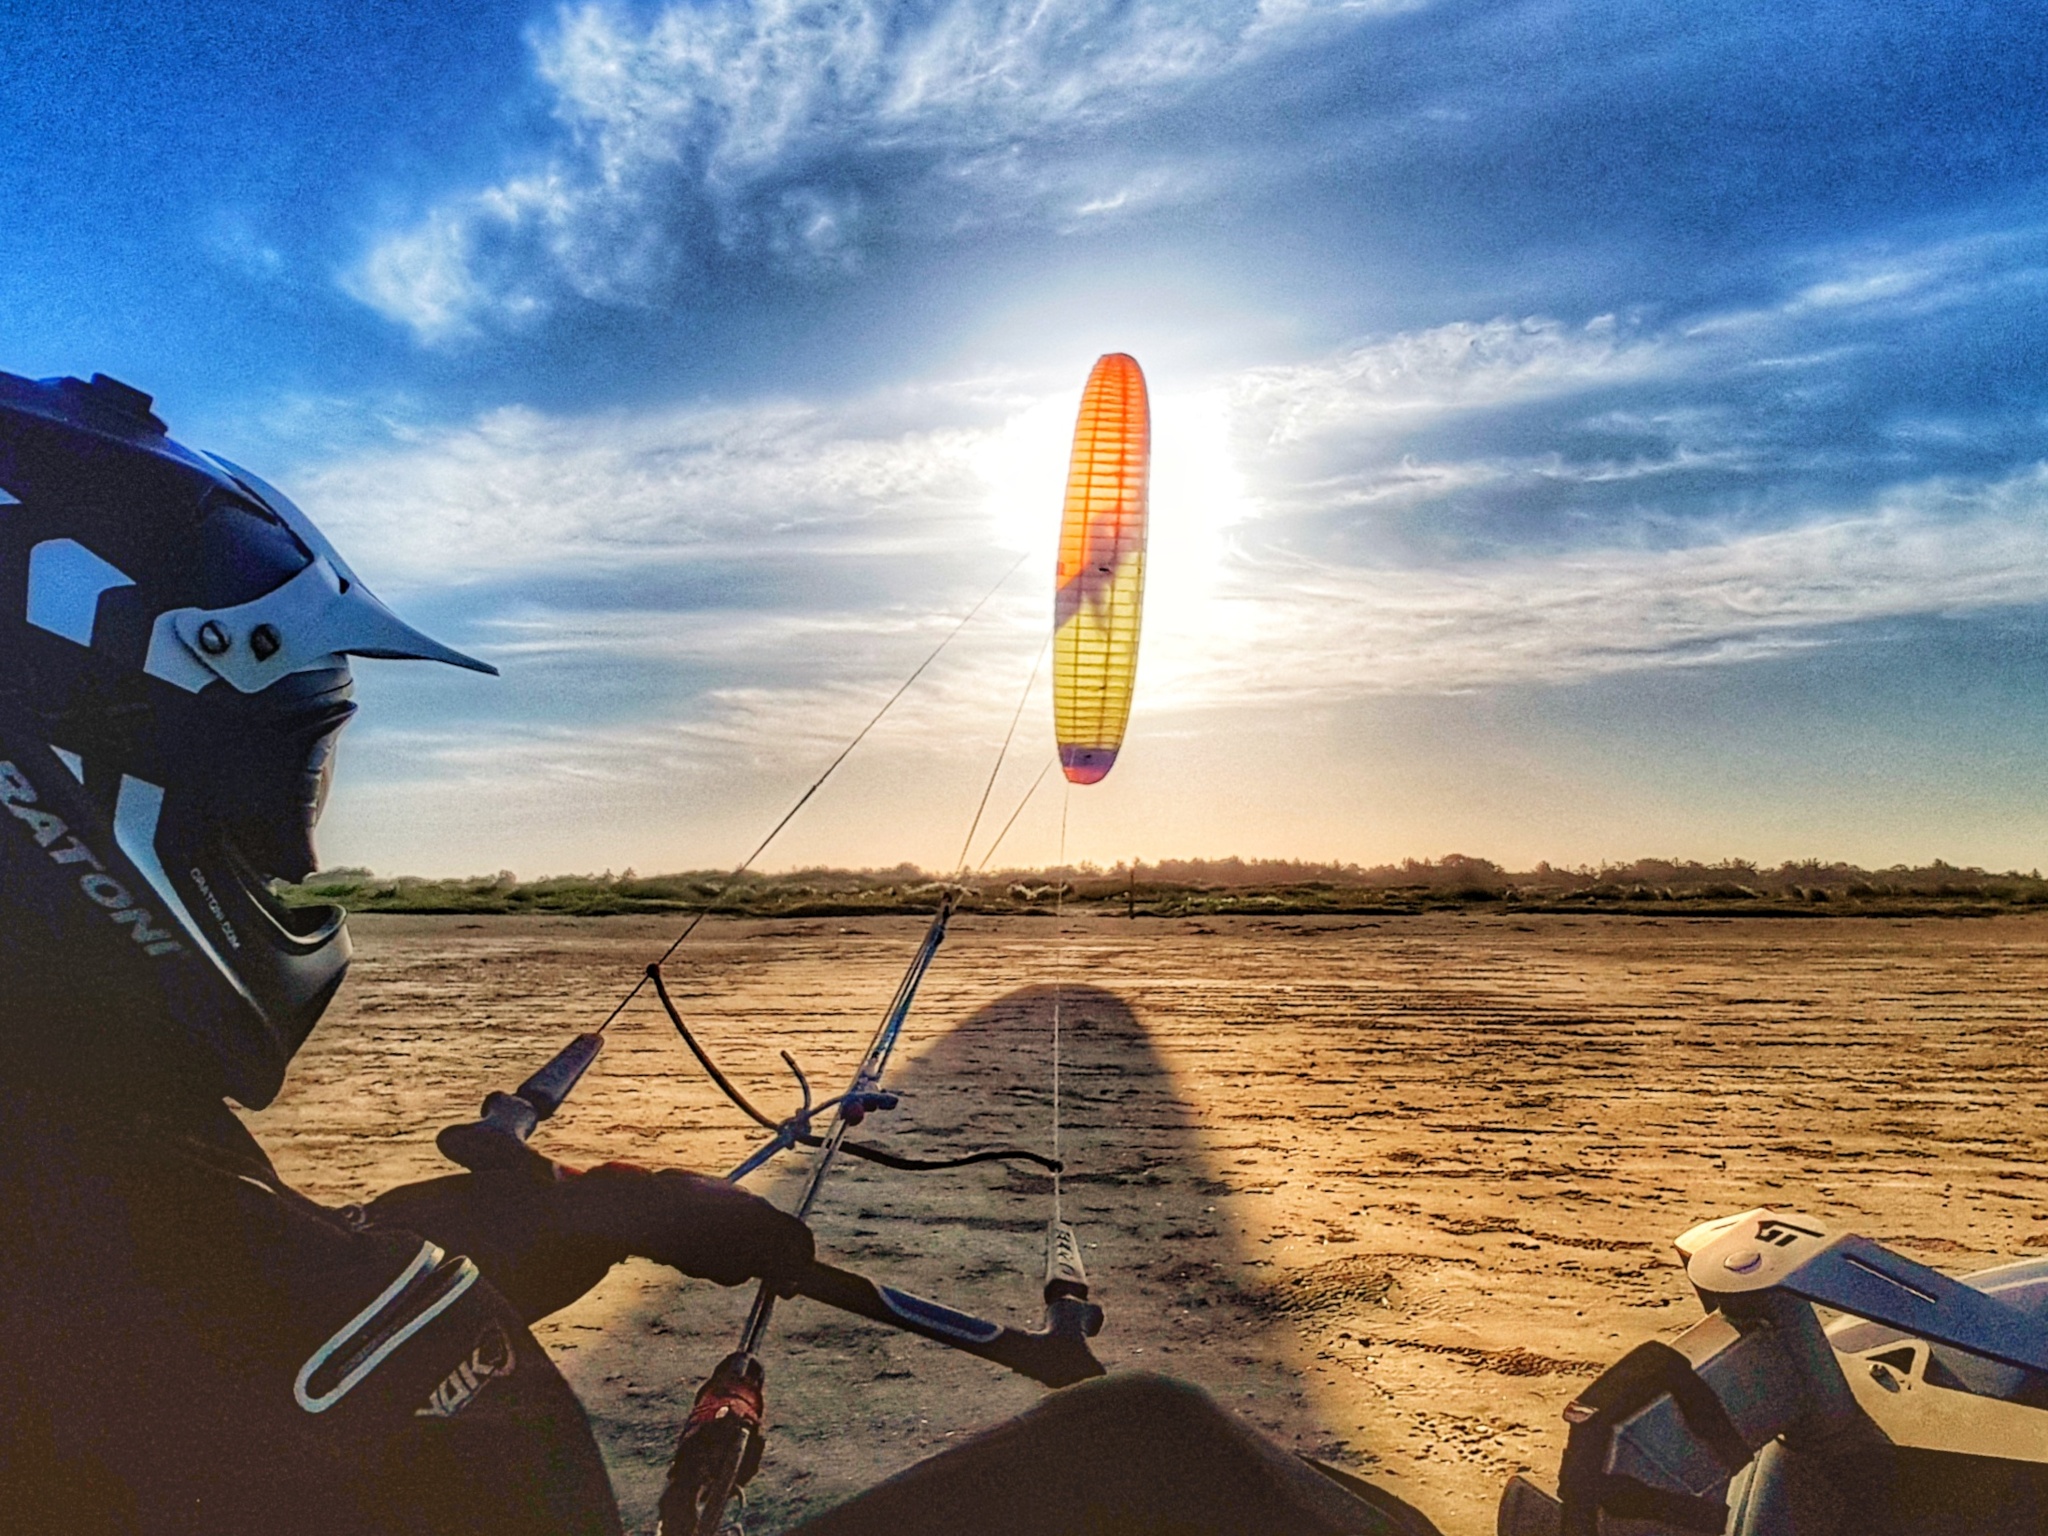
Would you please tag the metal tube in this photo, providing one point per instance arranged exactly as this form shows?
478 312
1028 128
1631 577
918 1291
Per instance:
851 1107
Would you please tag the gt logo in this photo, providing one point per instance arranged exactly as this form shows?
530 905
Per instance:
491 1358
1781 1234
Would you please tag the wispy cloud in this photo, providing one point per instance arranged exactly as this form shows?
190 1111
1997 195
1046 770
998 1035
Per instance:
837 530
518 492
1928 549
1335 436
796 136
1874 284
1388 385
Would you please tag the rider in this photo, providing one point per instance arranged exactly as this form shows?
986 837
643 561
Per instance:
186 1343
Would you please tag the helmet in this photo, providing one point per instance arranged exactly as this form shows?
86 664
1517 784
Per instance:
172 681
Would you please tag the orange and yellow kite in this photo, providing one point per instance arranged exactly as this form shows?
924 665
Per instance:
1101 583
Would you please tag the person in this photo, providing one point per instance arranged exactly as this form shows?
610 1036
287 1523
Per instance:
188 1345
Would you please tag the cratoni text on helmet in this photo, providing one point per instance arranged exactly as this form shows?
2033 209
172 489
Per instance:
109 894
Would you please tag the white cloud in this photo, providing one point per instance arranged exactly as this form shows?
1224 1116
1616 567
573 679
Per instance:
1293 12
519 493
1323 632
1392 385
734 132
803 494
422 278
845 536
1867 287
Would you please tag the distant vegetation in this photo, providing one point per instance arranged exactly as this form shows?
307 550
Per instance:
1197 887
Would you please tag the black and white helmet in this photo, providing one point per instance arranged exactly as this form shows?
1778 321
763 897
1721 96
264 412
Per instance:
172 681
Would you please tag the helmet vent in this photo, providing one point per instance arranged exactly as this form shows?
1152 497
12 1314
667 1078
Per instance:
65 583
126 399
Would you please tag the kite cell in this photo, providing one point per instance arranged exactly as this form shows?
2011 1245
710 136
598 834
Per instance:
1101 590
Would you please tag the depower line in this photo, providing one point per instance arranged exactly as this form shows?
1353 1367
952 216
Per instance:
819 782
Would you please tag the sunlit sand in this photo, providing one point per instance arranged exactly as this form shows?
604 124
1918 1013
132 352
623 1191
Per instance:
1392 1188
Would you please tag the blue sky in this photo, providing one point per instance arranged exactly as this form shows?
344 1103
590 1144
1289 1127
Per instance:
1583 431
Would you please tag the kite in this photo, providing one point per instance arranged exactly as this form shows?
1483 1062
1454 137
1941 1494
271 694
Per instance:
1101 576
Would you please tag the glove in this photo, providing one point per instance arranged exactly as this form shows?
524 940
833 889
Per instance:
543 1243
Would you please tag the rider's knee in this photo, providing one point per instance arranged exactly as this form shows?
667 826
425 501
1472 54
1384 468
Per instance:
1160 1405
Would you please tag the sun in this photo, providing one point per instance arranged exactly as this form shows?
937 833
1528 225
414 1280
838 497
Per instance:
1197 496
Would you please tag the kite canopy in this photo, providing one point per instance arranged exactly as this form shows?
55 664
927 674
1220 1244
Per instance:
1101 582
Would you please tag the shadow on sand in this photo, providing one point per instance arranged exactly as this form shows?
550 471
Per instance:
850 1402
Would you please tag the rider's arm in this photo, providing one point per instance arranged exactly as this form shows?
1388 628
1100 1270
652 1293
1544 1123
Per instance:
545 1241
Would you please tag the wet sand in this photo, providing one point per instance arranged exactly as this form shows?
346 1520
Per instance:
1391 1188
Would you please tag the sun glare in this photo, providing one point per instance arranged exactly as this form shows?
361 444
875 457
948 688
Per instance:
1197 495
1024 463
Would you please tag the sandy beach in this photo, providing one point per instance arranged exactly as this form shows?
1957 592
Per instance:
1391 1188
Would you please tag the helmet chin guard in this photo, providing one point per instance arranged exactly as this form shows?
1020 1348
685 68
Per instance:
172 680
143 945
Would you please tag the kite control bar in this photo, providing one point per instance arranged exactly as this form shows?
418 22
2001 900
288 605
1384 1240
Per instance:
720 1445
1058 1356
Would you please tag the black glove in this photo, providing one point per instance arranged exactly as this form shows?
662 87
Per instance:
544 1242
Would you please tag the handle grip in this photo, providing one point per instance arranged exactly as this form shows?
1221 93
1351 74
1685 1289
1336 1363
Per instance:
546 1089
497 1140
1057 1357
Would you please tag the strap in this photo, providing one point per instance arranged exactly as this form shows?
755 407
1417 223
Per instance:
1649 1371
1631 1499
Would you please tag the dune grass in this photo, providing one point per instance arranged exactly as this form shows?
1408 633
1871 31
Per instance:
1196 887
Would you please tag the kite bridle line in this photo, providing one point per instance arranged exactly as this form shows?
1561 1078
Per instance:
988 789
720 1445
1059 992
498 1138
819 783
